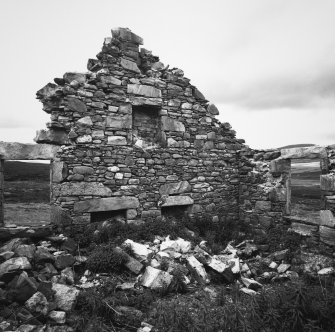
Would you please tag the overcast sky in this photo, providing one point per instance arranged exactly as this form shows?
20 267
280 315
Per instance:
268 65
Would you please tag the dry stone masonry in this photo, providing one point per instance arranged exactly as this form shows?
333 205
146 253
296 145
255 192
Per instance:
136 139
132 138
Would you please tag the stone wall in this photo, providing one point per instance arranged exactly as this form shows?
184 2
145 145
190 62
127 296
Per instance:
136 136
265 192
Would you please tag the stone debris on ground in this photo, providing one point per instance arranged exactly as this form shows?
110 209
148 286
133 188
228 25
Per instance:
43 278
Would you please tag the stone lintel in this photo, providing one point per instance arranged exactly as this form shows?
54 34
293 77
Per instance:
21 151
106 204
177 200
304 152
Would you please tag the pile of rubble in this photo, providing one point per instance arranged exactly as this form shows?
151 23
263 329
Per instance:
39 285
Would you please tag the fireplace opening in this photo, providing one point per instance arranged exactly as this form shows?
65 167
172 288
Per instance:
109 216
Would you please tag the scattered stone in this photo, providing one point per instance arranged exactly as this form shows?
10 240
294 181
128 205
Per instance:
64 260
283 268
251 284
59 317
248 291
155 278
65 296
13 266
140 251
197 268
38 304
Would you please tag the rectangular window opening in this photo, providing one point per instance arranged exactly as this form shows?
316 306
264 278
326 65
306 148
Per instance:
176 211
109 216
146 125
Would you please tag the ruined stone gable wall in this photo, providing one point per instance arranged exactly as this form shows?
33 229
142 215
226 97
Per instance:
136 136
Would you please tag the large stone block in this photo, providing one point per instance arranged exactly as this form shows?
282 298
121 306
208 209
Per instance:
144 90
59 171
118 122
125 34
327 182
176 200
169 124
327 218
130 65
278 194
304 152
175 188
107 204
52 136
76 105
79 77
303 229
117 140
327 235
81 189
20 151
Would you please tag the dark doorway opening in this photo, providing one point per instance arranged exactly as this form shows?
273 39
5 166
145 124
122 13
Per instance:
26 192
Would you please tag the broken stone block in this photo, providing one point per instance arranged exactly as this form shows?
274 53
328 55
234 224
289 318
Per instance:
248 291
59 171
65 296
140 251
273 265
132 264
25 250
197 268
59 317
175 188
76 105
52 136
85 121
326 271
6 255
303 229
327 218
251 284
64 260
124 34
178 245
38 304
79 77
68 275
155 278
327 235
43 255
212 109
23 287
13 266
169 124
130 65
282 268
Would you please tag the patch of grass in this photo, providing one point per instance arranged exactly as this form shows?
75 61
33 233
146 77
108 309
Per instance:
105 258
